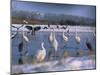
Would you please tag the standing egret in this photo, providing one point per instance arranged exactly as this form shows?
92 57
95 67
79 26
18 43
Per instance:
41 54
51 37
21 44
77 37
55 43
65 37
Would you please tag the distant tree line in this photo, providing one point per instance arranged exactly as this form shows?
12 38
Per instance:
52 18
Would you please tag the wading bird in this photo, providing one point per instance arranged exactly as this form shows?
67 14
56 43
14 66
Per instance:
51 37
21 44
55 42
77 37
65 37
41 54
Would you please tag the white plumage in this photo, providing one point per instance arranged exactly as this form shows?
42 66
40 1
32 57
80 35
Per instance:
65 37
51 37
55 43
40 56
25 37
77 39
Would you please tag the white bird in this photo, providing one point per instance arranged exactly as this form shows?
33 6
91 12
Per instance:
77 37
65 37
55 43
40 56
51 37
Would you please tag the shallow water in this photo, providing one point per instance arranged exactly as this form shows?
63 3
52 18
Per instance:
69 64
41 36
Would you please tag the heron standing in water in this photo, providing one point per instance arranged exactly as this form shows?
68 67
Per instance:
55 43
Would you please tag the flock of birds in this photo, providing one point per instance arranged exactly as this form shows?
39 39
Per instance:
41 54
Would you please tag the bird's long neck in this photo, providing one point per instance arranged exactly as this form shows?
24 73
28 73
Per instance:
75 31
54 36
43 46
63 33
23 31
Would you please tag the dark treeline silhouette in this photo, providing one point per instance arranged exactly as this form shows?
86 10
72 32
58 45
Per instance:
51 18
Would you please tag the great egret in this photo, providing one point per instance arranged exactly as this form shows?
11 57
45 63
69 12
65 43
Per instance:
51 37
40 56
77 37
65 37
55 43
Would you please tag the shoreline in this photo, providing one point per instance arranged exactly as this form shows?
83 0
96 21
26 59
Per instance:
70 28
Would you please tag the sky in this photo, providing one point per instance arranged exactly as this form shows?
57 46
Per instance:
68 9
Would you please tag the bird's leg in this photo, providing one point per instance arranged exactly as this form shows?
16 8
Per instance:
55 55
